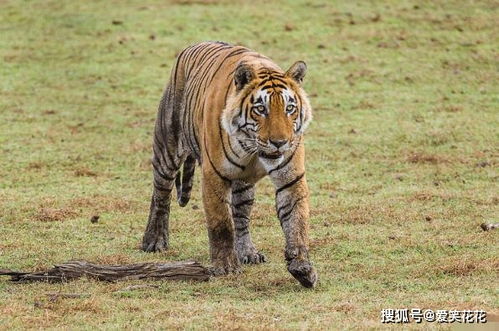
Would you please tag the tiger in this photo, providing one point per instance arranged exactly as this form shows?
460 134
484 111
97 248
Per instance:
239 117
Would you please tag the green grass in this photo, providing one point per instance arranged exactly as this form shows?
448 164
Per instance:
401 156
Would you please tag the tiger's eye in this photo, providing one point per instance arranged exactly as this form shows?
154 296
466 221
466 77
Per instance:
290 108
260 109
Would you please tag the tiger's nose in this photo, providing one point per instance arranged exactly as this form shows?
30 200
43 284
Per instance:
278 143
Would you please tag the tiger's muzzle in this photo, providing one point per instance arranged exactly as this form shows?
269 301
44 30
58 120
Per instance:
273 149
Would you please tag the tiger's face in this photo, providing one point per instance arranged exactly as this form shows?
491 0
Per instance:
269 110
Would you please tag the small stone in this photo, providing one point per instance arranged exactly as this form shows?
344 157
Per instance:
376 18
94 219
482 164
488 227
428 218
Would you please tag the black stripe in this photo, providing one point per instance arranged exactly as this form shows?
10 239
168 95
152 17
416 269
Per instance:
270 79
233 53
225 151
245 147
230 75
213 166
273 86
280 209
288 185
242 189
246 133
283 216
161 154
161 174
172 159
161 189
300 121
227 93
244 202
163 133
242 232
176 70
192 52
188 110
237 215
246 113
204 55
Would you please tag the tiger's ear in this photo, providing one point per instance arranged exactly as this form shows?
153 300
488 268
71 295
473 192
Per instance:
297 71
243 75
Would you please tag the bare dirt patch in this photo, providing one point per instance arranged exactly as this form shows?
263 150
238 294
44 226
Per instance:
84 172
54 214
422 158
467 267
101 204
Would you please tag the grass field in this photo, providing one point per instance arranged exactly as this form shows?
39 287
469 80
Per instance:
402 160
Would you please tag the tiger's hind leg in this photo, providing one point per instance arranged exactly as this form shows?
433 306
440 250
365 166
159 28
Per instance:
166 163
242 202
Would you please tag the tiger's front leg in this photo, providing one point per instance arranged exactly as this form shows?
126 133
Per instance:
242 201
292 207
216 201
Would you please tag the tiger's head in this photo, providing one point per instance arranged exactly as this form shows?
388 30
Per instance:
268 109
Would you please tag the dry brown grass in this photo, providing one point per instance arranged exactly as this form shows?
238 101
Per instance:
466 266
84 172
421 158
46 214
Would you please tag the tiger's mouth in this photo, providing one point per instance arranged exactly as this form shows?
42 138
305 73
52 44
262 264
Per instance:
274 155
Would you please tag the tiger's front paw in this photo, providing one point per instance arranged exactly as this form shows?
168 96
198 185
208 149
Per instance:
300 267
225 263
254 258
303 272
248 254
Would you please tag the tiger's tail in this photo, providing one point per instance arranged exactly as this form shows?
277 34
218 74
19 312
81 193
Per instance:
183 181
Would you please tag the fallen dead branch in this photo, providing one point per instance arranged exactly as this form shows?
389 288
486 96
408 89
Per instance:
186 270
